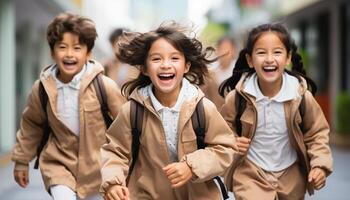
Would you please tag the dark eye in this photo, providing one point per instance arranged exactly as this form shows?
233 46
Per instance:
175 58
260 52
155 59
77 48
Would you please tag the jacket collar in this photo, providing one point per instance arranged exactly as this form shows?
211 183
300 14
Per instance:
142 96
187 92
288 91
301 88
93 68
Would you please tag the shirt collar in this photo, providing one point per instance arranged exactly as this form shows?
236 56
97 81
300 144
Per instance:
74 83
180 99
288 91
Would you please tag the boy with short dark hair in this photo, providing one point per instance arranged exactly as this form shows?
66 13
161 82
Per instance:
70 160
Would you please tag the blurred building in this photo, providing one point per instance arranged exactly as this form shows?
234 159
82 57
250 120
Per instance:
322 31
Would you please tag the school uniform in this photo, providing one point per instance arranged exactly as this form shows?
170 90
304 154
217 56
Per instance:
71 156
280 156
168 138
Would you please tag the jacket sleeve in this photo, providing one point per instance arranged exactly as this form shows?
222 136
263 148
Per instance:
116 153
218 155
316 136
115 99
30 133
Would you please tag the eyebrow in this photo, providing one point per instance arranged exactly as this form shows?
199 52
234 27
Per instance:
157 53
261 48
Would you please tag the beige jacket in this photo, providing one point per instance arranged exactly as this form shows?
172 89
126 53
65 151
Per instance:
148 180
67 159
312 146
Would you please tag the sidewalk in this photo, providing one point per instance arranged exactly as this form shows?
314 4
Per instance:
337 187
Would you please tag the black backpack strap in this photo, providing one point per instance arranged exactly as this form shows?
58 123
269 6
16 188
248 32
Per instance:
43 101
302 112
240 105
198 123
136 120
102 98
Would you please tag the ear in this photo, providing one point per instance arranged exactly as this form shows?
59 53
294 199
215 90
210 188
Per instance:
249 60
88 56
187 67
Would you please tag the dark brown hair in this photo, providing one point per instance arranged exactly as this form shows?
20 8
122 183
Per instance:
134 50
76 24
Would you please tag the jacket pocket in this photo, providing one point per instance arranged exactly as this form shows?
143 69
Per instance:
94 121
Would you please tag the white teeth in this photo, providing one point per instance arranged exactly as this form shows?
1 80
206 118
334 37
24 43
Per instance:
270 67
165 75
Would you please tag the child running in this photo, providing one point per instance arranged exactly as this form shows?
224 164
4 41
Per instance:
284 151
169 165
70 159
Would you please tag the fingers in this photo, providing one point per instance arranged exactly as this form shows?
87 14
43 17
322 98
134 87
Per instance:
21 177
317 177
117 192
170 171
242 144
178 173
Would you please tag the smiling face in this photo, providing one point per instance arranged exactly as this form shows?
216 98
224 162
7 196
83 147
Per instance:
269 59
166 66
70 56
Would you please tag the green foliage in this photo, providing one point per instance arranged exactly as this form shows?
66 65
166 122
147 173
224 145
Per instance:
343 113
212 32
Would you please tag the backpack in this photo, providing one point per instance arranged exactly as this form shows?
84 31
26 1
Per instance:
240 105
102 98
198 124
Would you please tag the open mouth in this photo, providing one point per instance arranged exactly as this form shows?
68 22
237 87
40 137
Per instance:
165 77
270 68
69 62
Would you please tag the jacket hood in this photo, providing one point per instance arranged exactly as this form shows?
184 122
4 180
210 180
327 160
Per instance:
93 69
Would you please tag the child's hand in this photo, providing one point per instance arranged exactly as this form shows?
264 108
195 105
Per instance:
117 192
21 177
243 145
178 173
317 177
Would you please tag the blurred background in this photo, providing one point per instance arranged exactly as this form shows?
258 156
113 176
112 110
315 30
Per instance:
321 29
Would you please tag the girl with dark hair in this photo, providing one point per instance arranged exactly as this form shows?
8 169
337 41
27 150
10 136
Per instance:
169 165
283 151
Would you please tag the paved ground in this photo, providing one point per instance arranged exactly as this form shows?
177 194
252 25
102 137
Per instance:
337 188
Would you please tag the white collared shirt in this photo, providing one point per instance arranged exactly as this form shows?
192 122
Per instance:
270 148
68 100
170 116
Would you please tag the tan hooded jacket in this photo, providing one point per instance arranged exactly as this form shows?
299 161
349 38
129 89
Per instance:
312 147
148 181
67 159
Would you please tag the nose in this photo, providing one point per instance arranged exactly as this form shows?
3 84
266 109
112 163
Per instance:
69 52
269 58
166 64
